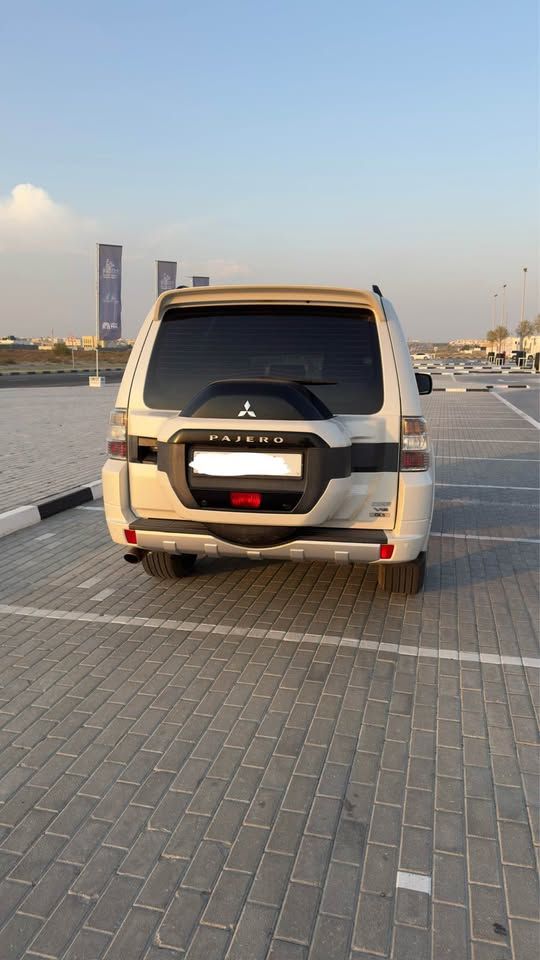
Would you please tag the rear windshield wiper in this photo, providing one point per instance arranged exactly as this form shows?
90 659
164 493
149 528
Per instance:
313 383
318 383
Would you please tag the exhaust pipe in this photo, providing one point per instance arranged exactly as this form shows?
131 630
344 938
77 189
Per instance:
134 556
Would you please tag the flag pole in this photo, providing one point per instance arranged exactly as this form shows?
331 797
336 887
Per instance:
97 309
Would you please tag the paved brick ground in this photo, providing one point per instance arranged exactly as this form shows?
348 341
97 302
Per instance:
276 761
53 440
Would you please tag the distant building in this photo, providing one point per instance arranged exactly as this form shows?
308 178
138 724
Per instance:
89 343
72 341
469 343
16 342
531 345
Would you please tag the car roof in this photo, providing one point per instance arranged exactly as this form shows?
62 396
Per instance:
266 293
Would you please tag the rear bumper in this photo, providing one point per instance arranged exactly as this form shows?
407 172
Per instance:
326 543
323 543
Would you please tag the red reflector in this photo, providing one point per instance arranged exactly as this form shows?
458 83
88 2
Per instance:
246 499
117 448
387 550
414 460
131 536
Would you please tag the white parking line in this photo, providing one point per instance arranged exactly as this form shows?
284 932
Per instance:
453 501
517 410
480 536
447 456
407 650
479 420
45 536
519 427
99 509
108 592
420 882
86 584
468 440
485 486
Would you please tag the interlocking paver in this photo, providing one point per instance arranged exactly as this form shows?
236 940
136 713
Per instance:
299 912
45 432
224 739
57 932
17 934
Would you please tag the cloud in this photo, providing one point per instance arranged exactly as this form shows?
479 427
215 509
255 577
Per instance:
227 269
31 221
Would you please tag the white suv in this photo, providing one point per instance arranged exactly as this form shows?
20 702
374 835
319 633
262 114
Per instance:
279 422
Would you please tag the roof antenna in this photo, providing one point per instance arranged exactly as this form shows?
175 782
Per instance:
376 289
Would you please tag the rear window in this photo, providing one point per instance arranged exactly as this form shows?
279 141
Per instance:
334 352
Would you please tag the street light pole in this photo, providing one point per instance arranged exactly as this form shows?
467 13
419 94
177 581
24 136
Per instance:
523 294
504 305
495 295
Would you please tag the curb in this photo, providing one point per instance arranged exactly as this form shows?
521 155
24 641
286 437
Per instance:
20 517
460 372
39 373
489 388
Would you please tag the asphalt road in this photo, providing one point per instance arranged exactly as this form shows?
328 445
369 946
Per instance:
55 379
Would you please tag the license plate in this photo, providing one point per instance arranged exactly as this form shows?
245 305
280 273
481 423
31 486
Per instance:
245 463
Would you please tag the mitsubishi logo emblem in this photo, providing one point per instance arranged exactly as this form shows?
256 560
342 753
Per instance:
247 411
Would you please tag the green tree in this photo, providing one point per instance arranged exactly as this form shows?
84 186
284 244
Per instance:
61 350
501 334
524 329
536 325
491 337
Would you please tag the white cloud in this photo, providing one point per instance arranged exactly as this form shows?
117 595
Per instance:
227 270
30 220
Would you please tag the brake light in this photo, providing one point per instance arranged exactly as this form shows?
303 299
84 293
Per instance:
116 435
386 551
131 536
117 449
250 500
414 444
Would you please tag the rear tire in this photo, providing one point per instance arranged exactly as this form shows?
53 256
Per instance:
168 566
403 577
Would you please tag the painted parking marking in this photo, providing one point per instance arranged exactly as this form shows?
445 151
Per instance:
520 413
91 582
487 503
108 592
469 440
498 429
421 882
480 536
98 509
408 650
486 486
45 536
500 419
446 456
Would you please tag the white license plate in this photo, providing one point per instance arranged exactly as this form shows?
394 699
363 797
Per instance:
245 463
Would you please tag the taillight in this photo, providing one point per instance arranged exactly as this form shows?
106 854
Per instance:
116 435
414 444
386 551
130 535
250 500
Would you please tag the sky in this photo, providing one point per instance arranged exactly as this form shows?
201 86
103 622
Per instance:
292 141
